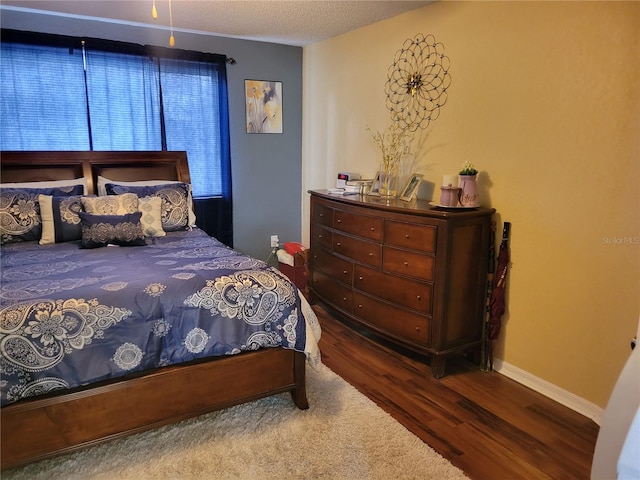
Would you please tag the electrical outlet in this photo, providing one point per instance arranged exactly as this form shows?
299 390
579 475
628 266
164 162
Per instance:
275 241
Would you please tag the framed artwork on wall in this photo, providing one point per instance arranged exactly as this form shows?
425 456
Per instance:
263 99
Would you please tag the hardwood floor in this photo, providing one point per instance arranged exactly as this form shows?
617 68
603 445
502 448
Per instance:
484 423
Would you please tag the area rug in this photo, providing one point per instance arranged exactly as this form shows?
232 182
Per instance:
343 435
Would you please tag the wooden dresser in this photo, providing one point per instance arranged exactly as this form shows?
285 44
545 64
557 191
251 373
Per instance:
412 274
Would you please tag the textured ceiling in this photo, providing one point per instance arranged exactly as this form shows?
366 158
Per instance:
292 22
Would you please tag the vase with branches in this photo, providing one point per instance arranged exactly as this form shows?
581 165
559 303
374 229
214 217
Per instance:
393 144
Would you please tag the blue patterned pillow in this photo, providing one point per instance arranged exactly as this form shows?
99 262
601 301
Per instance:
20 219
175 204
102 230
60 219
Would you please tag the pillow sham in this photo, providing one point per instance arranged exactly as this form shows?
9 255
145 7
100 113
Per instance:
151 220
102 230
102 182
20 219
60 219
49 184
175 206
111 205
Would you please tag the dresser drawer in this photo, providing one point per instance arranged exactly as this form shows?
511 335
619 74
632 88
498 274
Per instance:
410 235
336 293
392 320
334 267
364 226
409 263
321 236
400 290
357 249
322 215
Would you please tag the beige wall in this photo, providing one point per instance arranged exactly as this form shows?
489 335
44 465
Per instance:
545 102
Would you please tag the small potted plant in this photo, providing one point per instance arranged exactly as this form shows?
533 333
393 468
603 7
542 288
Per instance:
468 169
468 188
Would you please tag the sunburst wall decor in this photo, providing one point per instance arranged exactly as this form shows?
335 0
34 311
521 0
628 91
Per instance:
417 82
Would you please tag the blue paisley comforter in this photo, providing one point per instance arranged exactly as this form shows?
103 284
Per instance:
70 316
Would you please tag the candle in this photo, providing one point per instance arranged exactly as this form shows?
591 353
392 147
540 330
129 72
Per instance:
450 180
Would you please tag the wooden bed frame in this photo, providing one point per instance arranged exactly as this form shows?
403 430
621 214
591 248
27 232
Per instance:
58 423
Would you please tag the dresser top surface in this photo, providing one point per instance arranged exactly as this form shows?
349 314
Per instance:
415 206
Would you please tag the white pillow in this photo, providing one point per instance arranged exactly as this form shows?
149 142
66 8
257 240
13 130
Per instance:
49 184
102 181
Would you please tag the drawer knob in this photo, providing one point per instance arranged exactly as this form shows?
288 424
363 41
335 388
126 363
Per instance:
339 221
406 264
417 329
360 278
360 305
338 244
319 235
344 299
344 272
419 297
370 254
406 236
373 229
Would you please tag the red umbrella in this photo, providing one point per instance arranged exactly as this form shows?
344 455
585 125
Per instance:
490 273
497 294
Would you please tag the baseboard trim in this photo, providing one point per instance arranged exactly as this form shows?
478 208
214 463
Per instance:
568 399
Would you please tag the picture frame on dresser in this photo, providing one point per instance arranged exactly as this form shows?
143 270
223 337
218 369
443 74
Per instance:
375 186
411 188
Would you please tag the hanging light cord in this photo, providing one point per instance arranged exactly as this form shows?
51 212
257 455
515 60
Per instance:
172 41
154 14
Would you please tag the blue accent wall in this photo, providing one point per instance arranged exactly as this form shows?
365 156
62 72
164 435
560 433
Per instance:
266 168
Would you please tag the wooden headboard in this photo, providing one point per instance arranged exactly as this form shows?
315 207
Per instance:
35 166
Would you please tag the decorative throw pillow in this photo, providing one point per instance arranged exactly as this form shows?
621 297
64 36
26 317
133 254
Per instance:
151 220
60 219
175 207
111 205
102 230
20 219
102 190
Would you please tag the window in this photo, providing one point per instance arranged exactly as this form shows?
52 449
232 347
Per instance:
66 93
189 121
39 86
123 101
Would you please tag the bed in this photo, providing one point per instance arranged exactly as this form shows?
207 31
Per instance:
100 341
